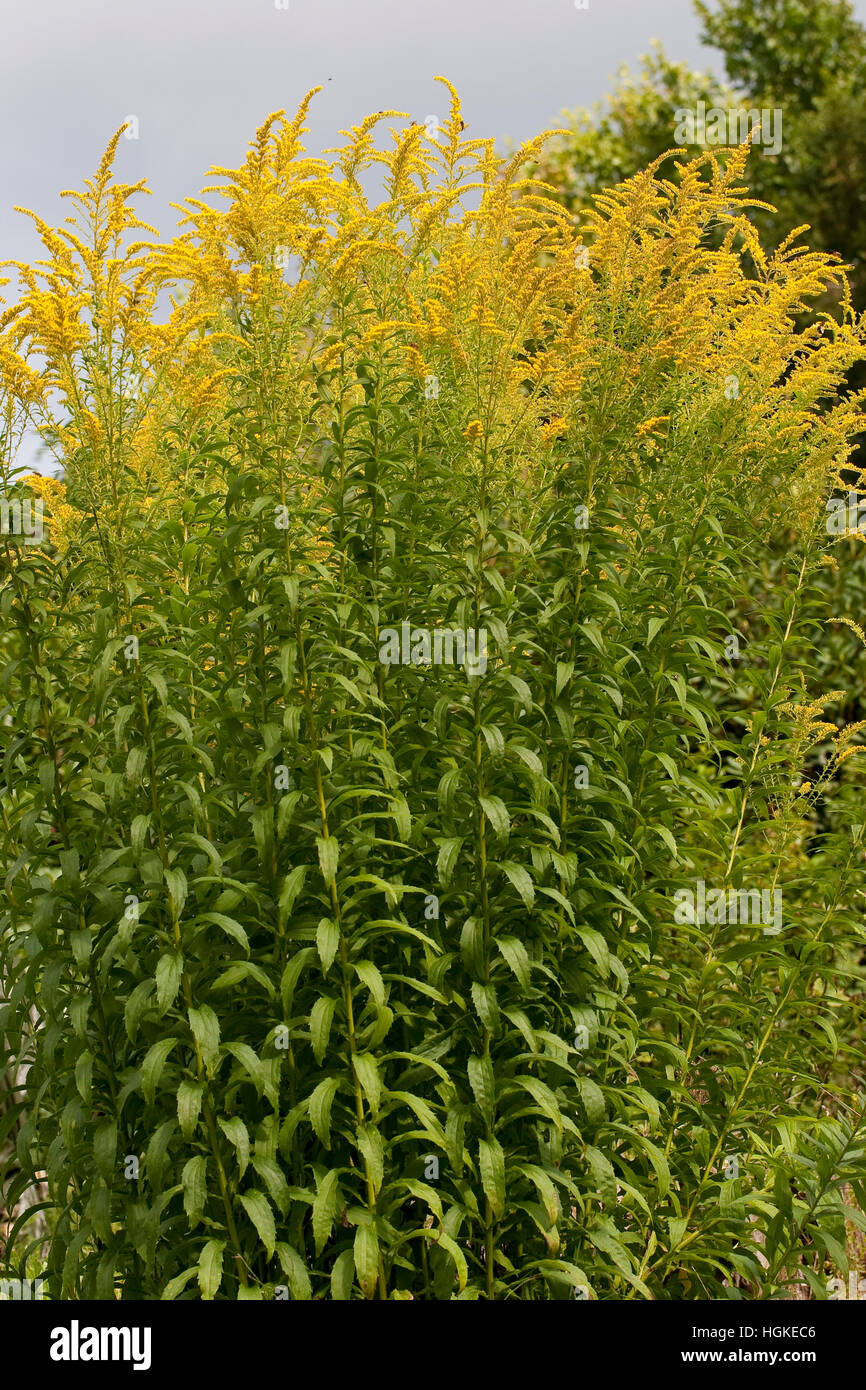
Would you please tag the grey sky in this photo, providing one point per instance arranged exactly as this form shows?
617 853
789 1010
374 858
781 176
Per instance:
200 75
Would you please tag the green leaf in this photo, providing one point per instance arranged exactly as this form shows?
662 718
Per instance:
483 1085
152 1067
343 1277
105 1148
175 882
292 885
447 858
366 1255
515 954
258 1209
206 1031
495 810
369 975
194 1180
596 946
210 1268
402 817
450 1246
239 972
367 1073
84 1075
485 1000
325 1208
603 1175
372 1148
272 1175
519 878
593 1100
292 974
157 1153
320 1108
327 942
321 1017
491 1160
237 1134
231 928
136 1006
189 1099
295 1271
175 1287
564 673
169 969
329 856
543 1097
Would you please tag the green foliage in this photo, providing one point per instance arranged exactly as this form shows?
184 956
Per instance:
365 980
790 50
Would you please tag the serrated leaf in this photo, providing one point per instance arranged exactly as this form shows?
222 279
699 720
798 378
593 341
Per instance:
325 1208
321 1017
483 1086
366 1256
210 1268
603 1174
194 1180
292 886
175 882
329 858
496 812
593 1100
189 1099
447 858
369 975
295 1271
237 1134
515 955
371 1146
487 1005
520 879
367 1072
327 942
227 924
491 1161
272 1176
152 1067
321 1102
597 947
136 1005
258 1209
169 969
206 1031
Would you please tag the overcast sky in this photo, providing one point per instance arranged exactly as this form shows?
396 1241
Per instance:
200 75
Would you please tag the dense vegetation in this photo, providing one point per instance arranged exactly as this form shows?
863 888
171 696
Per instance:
333 968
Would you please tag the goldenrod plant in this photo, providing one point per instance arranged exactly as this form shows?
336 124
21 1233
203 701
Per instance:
398 904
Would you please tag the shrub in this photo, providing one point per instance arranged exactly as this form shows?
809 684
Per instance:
358 972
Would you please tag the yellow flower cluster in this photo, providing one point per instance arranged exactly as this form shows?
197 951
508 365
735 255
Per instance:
62 521
294 297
